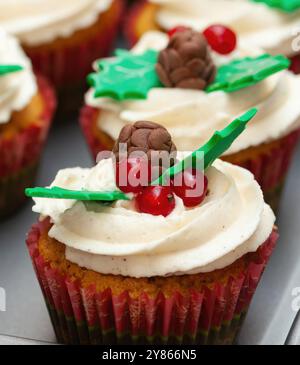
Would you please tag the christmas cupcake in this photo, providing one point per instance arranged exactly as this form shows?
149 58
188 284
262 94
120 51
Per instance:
122 260
27 104
269 24
63 38
193 89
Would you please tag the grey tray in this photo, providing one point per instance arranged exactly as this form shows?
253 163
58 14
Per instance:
26 319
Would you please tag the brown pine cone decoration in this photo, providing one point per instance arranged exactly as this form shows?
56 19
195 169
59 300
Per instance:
148 137
186 62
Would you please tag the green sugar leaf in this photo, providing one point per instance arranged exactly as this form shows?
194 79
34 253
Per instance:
246 72
82 195
285 5
126 76
6 69
214 148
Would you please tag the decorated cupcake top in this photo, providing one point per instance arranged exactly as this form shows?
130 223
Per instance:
199 214
36 22
269 24
193 83
17 81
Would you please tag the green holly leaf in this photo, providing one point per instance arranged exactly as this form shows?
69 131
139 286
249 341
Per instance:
285 5
126 76
6 69
215 147
246 72
82 195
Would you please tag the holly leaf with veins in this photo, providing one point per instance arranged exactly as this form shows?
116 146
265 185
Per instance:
6 69
285 5
126 76
245 72
209 152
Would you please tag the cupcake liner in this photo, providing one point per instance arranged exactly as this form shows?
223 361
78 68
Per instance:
271 167
25 146
84 315
71 64
20 154
87 121
12 189
130 24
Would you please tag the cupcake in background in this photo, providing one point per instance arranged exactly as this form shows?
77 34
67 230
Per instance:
27 104
193 88
138 263
271 25
63 38
131 2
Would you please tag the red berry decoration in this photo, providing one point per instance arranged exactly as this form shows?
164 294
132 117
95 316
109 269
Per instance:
295 64
179 28
221 39
190 186
132 174
156 200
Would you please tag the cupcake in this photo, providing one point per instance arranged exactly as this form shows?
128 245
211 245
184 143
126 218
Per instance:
27 104
139 263
63 38
271 25
193 100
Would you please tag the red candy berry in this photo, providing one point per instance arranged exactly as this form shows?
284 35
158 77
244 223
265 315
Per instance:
191 187
221 39
295 64
179 28
156 200
132 174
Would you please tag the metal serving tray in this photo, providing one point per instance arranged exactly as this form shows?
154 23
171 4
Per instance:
26 319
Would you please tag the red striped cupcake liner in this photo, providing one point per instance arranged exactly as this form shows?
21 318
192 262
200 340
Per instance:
25 146
70 65
270 169
209 315
130 22
87 116
20 154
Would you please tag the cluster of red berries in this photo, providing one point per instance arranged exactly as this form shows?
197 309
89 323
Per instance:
159 200
220 38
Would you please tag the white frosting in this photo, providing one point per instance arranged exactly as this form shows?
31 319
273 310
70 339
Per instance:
256 24
192 116
36 22
17 88
232 221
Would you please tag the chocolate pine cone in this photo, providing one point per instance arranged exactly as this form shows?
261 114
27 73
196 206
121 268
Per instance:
186 62
146 137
